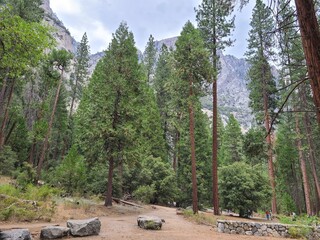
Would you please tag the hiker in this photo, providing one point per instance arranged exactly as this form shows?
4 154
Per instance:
268 215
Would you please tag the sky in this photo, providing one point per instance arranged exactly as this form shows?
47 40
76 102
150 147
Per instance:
161 18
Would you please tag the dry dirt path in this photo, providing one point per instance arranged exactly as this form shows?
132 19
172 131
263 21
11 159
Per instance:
125 227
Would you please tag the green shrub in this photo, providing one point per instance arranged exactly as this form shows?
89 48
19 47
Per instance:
71 173
144 194
8 158
299 232
30 203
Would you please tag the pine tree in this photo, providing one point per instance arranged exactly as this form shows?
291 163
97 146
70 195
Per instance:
261 82
193 68
215 26
109 113
149 58
81 73
232 145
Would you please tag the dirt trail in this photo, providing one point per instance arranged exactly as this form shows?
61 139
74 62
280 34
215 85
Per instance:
125 227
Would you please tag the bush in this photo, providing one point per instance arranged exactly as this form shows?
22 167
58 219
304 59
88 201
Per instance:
8 158
71 173
159 177
25 175
299 232
243 188
31 204
144 194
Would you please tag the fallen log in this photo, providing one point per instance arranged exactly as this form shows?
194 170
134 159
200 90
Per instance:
118 200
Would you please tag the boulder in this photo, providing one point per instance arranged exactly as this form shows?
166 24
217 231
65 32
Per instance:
16 234
53 232
86 227
149 222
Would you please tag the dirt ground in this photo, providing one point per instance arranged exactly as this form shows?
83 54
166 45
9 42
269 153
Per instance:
120 223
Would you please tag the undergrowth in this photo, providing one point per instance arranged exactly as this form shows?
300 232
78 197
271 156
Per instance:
200 218
26 204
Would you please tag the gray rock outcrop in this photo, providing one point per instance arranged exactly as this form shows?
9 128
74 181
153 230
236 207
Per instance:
54 232
16 234
86 227
149 222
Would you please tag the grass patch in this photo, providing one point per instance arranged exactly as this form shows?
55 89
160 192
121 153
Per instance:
201 218
27 204
300 220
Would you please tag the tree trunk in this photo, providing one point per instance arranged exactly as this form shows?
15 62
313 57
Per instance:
270 154
193 152
310 35
310 143
175 152
303 168
215 193
6 115
46 140
3 91
108 200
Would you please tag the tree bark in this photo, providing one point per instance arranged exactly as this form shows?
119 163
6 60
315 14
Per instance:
310 35
270 154
312 157
6 115
193 152
46 140
215 191
303 168
108 200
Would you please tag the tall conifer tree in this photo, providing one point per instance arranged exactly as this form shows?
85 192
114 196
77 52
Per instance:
214 22
261 82
149 58
193 68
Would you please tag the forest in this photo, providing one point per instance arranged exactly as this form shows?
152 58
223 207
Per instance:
135 128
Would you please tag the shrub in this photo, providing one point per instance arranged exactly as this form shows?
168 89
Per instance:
299 232
144 194
71 173
8 158
243 188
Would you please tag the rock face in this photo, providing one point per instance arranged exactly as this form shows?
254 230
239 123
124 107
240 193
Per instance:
62 34
16 234
87 227
149 222
54 232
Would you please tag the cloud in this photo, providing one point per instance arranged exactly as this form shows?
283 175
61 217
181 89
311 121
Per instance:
69 7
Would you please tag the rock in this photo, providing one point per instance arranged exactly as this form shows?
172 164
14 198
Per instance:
86 227
53 232
149 222
16 234
220 227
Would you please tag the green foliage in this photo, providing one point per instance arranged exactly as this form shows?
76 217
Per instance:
157 182
260 50
243 188
149 58
299 232
29 10
8 159
70 175
144 193
26 175
254 146
232 142
31 204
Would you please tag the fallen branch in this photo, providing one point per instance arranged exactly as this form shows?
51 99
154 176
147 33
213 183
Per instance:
118 200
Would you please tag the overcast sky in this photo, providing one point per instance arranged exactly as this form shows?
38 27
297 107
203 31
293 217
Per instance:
161 18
